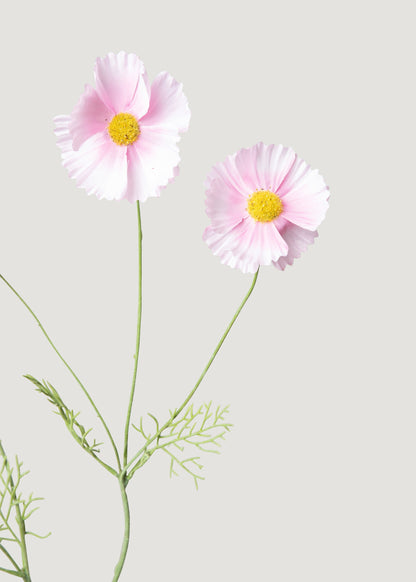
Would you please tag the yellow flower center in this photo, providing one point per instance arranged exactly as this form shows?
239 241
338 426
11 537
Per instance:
264 206
124 129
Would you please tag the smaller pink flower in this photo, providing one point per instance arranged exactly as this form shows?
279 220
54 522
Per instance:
121 139
265 204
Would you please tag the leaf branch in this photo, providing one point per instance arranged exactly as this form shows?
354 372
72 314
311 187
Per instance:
70 418
13 504
204 428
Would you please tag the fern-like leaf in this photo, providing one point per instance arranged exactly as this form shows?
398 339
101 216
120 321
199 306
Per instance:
15 510
70 418
204 428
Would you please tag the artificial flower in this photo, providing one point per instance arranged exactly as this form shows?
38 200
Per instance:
265 204
121 139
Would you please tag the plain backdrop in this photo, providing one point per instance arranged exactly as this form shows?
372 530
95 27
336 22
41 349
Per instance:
316 482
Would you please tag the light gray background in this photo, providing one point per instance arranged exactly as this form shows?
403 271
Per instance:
317 480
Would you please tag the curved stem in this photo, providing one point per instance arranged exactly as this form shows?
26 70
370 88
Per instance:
194 389
139 322
69 368
126 538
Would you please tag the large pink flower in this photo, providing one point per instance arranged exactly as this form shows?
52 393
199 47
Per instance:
265 205
121 139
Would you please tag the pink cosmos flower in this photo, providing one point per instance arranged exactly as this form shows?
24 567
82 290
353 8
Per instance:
265 204
121 139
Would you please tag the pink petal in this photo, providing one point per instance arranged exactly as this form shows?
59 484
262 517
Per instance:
99 166
246 165
168 106
260 167
228 173
298 239
248 245
224 205
275 163
304 195
152 163
63 135
222 243
267 244
89 116
122 83
140 103
264 167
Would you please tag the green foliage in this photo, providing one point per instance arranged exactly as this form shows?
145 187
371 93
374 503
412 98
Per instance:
15 510
69 416
202 428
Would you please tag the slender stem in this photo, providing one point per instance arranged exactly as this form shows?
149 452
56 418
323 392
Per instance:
139 323
126 538
217 349
194 389
69 368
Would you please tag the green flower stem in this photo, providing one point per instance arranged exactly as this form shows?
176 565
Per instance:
194 389
70 370
139 323
126 538
122 478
